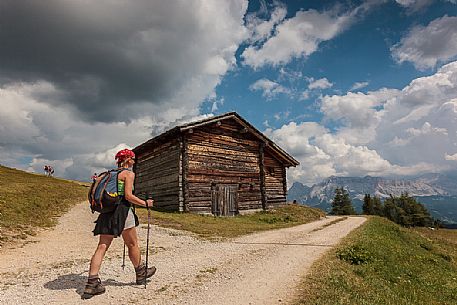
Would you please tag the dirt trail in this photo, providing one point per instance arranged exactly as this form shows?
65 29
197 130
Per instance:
261 268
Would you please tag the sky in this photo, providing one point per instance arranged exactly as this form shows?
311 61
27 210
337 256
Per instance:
348 88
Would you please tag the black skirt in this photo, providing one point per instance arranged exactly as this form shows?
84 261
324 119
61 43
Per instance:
113 223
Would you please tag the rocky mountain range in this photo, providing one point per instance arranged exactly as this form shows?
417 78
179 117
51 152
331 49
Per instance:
438 192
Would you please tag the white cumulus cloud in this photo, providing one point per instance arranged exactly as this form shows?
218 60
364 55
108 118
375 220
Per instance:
356 109
358 85
298 36
426 129
298 139
379 133
322 154
450 157
30 129
260 29
321 83
414 5
269 88
426 46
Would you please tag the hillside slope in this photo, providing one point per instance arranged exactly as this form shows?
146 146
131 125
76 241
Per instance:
30 201
383 263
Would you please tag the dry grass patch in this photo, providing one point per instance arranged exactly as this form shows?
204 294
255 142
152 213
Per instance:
30 201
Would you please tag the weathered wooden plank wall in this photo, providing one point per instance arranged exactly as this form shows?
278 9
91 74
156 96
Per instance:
222 154
158 172
274 181
184 173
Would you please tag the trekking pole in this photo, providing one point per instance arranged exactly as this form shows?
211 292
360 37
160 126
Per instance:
123 258
147 238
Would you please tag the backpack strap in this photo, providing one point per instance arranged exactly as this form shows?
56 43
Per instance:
121 169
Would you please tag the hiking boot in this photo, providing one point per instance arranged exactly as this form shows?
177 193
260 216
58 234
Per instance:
93 287
142 274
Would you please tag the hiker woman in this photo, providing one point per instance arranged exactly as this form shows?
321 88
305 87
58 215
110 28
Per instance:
122 221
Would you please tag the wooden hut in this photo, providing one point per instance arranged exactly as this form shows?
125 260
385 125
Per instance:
221 165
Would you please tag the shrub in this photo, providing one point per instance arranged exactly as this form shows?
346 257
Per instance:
355 255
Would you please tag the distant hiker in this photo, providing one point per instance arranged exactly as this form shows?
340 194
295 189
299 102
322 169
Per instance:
94 176
48 170
122 221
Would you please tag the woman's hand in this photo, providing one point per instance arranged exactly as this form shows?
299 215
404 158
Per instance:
128 180
149 203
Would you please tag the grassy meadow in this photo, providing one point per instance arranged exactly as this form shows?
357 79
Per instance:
30 201
211 227
383 263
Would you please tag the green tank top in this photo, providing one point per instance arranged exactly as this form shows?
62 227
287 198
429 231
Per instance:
121 187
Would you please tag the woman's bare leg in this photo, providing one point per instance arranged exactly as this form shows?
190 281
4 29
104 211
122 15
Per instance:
96 261
131 241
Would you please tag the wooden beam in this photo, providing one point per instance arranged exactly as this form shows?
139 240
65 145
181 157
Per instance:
185 171
181 174
262 175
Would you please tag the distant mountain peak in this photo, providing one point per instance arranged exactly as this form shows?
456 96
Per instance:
429 185
321 194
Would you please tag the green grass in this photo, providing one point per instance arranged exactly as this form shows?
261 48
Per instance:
31 201
383 263
225 227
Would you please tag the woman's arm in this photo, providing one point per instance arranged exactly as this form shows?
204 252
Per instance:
128 187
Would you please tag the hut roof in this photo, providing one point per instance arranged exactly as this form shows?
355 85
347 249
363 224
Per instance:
286 159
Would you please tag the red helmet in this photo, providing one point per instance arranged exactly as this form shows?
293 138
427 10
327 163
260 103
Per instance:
124 154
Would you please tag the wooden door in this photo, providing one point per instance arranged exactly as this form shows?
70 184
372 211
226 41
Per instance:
224 200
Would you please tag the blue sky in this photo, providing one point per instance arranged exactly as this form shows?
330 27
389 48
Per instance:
349 88
360 54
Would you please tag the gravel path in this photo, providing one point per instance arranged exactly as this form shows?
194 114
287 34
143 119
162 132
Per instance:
261 268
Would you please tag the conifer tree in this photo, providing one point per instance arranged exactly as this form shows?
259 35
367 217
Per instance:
348 209
378 209
368 207
337 202
391 209
406 211
341 204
